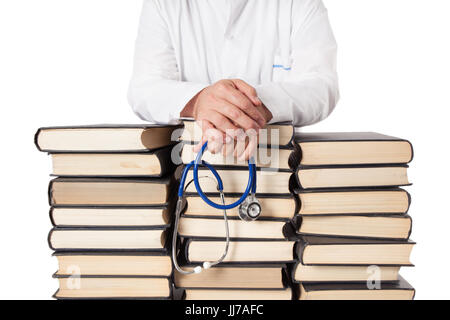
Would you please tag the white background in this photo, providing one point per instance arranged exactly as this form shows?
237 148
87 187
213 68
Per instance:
68 62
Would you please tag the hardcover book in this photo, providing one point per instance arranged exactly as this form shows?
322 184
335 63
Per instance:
109 192
358 226
243 251
104 138
108 239
156 163
351 148
313 250
279 134
114 288
399 290
353 201
113 264
111 216
236 276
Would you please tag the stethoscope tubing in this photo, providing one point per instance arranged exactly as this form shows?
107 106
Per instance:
251 187
251 184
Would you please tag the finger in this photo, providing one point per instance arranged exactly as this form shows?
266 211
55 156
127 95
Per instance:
250 150
248 90
214 145
242 121
215 139
241 144
205 125
238 99
221 122
228 148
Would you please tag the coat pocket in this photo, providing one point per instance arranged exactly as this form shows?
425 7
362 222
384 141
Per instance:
280 68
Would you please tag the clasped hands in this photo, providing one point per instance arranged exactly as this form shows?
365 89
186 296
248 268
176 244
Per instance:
230 115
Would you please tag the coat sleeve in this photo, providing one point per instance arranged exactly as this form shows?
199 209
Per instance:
309 92
156 92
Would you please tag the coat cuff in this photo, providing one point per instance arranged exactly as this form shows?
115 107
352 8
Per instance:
274 99
189 89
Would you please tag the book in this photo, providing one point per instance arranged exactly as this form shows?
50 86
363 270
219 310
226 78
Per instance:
151 164
238 294
304 273
109 192
94 239
235 180
280 251
282 182
312 149
265 157
113 288
215 228
104 138
373 226
273 206
279 134
238 276
313 250
351 148
348 177
400 290
353 201
113 264
110 216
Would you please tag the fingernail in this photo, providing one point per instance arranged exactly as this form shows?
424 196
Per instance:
227 139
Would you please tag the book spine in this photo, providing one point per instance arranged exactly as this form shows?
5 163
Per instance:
295 157
49 239
52 219
36 137
165 160
50 193
289 232
300 248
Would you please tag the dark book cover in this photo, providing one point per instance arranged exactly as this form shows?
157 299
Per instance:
401 284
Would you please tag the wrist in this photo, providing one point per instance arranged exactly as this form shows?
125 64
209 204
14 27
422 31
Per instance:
189 110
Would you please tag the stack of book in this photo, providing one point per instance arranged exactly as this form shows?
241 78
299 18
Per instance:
334 221
259 251
352 224
111 210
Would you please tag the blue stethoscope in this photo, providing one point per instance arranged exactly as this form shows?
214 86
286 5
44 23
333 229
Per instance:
249 207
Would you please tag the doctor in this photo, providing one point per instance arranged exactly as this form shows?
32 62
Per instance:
234 64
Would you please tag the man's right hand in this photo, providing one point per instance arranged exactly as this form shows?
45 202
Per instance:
225 105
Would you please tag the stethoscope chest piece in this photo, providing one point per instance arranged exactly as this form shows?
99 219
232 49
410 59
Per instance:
250 209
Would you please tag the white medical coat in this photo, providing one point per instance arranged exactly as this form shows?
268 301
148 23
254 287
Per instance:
283 48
